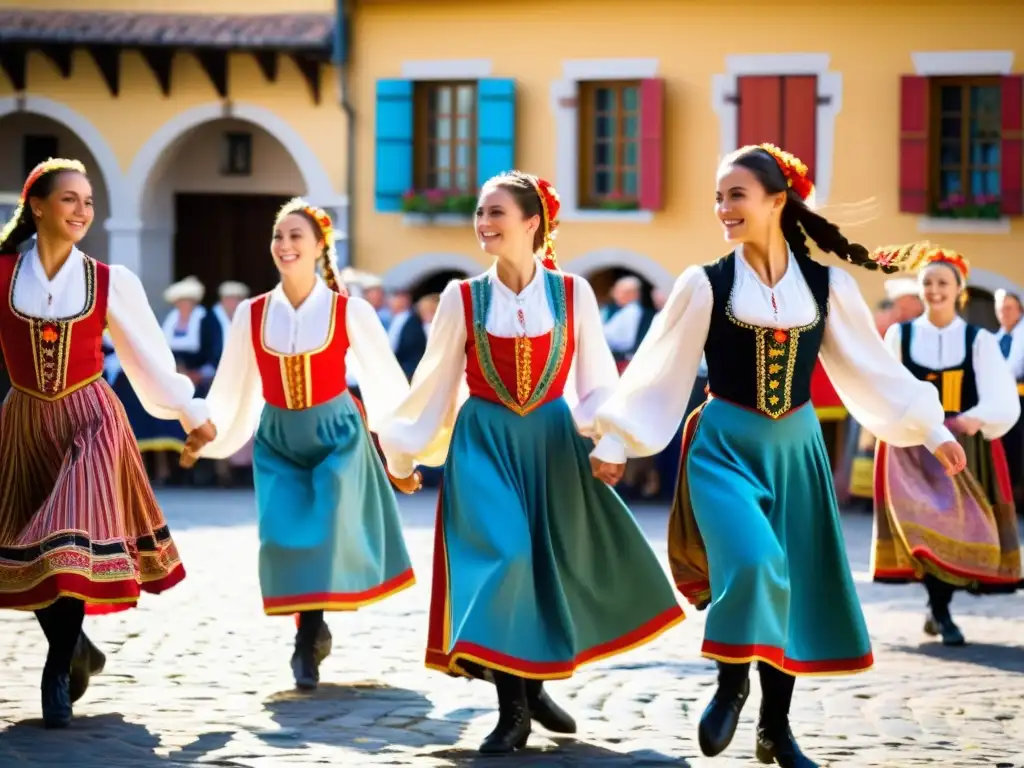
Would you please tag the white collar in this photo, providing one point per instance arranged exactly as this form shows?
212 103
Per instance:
922 321
536 283
791 266
315 298
67 268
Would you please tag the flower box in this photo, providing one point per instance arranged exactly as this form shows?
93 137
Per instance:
979 207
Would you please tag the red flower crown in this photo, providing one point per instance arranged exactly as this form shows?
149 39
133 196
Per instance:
793 169
550 205
53 165
915 256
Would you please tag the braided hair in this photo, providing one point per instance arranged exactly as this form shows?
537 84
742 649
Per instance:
323 228
39 185
798 220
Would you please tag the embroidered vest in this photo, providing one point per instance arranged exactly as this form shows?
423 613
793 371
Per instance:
525 372
958 389
299 381
765 369
44 358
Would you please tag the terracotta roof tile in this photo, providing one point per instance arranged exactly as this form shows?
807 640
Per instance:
291 31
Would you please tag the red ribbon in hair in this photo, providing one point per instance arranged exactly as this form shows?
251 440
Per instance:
550 205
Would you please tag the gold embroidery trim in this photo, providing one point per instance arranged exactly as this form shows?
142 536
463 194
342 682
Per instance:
524 369
298 384
952 390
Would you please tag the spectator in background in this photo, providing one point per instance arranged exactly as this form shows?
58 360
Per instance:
373 293
1011 343
231 293
904 293
622 330
408 339
426 308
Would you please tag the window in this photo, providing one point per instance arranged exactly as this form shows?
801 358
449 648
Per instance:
444 149
781 110
36 149
966 147
610 138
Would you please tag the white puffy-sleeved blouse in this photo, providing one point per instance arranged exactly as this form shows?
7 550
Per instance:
645 411
138 339
236 394
937 348
419 431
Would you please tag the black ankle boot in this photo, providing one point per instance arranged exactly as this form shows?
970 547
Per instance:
722 715
56 695
545 711
513 727
775 741
312 645
87 661
939 622
305 669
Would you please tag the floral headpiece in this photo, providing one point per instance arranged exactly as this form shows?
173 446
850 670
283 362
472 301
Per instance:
550 205
915 256
793 169
53 165
326 227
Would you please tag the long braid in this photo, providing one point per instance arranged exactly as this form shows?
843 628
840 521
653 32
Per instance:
19 229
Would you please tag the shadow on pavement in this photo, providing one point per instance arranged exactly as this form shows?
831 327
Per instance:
369 717
1006 658
106 740
567 752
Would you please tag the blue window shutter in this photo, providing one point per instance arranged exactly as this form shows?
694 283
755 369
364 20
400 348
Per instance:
495 127
394 144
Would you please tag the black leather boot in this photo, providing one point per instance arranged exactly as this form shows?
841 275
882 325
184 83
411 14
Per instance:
513 727
56 695
88 660
722 715
775 741
939 621
545 711
312 645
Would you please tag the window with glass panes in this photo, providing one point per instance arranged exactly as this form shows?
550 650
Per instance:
966 142
444 149
609 119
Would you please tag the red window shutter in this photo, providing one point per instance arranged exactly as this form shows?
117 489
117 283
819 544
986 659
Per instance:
800 118
914 165
652 158
1011 172
760 110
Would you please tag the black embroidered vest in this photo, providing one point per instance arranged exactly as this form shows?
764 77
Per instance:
764 369
958 389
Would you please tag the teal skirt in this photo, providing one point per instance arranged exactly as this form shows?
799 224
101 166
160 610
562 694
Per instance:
329 528
538 567
755 536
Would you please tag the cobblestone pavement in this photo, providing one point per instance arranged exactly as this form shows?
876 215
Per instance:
200 677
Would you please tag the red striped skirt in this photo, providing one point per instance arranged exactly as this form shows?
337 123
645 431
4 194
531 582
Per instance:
78 517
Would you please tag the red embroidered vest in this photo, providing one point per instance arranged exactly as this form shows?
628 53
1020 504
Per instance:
299 381
521 373
43 357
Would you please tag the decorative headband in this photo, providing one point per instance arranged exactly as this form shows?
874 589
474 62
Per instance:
915 256
793 169
53 165
319 215
550 205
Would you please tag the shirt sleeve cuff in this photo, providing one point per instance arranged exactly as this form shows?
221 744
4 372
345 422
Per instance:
401 468
610 450
937 437
195 414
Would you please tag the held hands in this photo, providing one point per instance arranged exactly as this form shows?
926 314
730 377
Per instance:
606 472
408 485
195 442
952 457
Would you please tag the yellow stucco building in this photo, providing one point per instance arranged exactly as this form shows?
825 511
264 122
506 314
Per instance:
200 116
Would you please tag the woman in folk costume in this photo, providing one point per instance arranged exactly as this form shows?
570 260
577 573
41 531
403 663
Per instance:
330 534
960 532
538 567
80 529
754 532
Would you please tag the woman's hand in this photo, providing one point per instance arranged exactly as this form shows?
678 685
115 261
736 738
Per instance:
966 425
606 472
195 442
408 485
952 457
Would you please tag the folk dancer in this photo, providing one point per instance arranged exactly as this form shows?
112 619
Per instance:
754 533
1010 338
538 567
330 533
80 529
950 533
